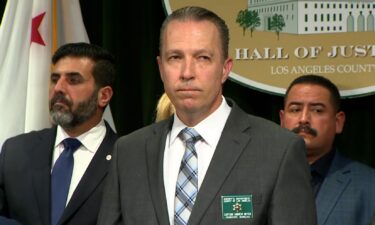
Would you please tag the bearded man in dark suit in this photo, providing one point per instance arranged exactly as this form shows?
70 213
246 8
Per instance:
34 188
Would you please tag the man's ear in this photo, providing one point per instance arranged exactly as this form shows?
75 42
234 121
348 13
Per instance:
340 121
228 64
281 115
161 71
104 96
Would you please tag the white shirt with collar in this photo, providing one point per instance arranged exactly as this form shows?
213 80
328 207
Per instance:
210 130
90 140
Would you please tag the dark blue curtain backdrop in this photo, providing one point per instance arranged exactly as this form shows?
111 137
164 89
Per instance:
130 30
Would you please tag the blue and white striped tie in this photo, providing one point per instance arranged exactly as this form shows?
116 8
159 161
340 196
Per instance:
187 181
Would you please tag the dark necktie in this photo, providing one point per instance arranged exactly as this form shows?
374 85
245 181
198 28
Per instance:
60 178
187 180
316 181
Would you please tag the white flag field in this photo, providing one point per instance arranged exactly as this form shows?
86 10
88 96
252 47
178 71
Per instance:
30 31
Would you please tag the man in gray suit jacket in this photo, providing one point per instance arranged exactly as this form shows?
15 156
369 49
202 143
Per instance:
250 171
344 189
80 88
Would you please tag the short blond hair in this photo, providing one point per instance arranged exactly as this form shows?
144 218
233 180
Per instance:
164 109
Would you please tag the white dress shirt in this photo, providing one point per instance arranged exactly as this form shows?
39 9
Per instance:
91 141
210 130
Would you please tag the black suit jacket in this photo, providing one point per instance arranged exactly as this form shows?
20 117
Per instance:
253 157
25 169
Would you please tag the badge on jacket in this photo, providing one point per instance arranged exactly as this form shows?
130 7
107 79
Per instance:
237 207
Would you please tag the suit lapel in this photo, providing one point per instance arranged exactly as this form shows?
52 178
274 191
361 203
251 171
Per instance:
94 175
332 188
41 172
154 155
230 146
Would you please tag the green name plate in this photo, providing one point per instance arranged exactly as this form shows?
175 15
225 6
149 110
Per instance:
237 207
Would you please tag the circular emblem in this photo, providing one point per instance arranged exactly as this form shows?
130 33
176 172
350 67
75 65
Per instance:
273 43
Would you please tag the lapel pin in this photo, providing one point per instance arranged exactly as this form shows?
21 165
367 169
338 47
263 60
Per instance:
108 157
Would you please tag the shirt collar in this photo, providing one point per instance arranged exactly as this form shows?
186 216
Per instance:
90 140
210 128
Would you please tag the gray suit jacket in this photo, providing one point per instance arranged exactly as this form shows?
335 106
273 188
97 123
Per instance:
25 169
254 157
347 195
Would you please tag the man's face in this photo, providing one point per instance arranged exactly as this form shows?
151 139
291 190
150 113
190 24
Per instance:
192 67
310 113
73 97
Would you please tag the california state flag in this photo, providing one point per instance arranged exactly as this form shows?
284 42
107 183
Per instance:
30 32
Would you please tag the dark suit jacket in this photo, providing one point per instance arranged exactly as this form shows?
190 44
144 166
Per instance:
6 221
253 157
25 169
347 195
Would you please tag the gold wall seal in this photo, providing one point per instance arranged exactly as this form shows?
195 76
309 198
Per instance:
274 41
